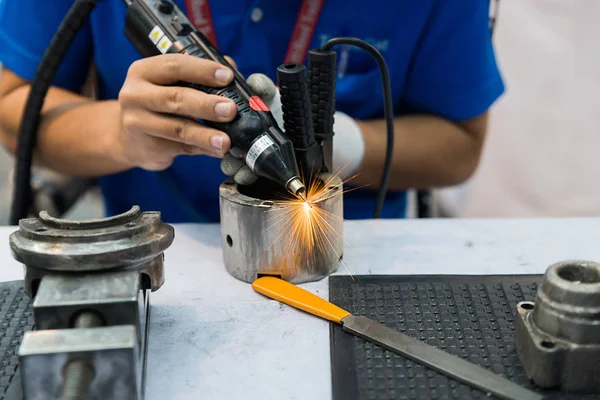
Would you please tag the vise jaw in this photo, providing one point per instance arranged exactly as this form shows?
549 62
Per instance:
90 282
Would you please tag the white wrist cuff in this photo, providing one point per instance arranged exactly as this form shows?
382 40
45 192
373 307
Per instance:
348 146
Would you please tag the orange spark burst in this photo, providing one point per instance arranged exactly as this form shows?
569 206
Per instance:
310 232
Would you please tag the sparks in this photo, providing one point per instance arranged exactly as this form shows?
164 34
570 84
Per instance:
308 230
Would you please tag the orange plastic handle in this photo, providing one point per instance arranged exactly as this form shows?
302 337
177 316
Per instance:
294 296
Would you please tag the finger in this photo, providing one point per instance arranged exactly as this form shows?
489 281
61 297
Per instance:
245 176
230 61
263 86
157 154
179 101
168 69
231 165
182 130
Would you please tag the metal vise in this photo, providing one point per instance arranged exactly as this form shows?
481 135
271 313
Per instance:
90 282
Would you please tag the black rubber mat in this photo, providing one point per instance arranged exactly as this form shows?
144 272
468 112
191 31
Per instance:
16 316
468 316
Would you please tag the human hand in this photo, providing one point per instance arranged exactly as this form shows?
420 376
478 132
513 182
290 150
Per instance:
263 87
348 141
159 121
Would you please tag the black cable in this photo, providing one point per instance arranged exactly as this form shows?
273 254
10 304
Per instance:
388 110
55 53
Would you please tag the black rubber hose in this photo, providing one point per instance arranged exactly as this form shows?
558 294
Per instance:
388 110
55 53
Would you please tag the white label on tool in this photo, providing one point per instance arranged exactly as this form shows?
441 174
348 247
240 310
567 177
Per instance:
261 144
156 34
164 45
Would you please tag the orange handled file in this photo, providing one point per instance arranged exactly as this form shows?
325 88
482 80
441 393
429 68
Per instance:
294 296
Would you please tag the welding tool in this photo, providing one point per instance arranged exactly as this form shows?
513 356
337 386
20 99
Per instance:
392 340
158 27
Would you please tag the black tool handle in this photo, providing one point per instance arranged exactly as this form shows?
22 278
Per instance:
321 78
298 118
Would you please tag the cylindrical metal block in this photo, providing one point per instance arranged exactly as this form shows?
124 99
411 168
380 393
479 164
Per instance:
262 236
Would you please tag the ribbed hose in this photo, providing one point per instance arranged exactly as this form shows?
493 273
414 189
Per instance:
55 53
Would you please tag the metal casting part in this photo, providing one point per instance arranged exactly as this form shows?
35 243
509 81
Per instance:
436 359
558 335
257 236
125 240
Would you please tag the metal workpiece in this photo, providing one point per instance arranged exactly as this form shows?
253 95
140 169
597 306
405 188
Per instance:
558 335
124 240
261 236
133 240
90 282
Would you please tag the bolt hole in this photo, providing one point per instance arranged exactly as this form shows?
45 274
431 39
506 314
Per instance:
341 257
527 306
290 66
333 187
129 225
229 241
41 229
547 344
579 273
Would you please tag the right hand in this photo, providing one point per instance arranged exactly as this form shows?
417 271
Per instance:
159 120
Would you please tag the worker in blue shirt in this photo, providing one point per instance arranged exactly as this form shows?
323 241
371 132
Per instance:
136 134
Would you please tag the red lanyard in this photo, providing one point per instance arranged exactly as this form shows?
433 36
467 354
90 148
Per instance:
200 15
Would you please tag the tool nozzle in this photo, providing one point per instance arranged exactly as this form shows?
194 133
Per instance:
297 188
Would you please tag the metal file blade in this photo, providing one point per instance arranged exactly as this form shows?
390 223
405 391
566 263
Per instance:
395 341
435 359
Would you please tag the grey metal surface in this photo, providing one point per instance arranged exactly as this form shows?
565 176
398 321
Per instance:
115 296
259 236
436 359
558 335
128 239
112 351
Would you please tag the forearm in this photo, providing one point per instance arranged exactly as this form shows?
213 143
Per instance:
75 135
428 152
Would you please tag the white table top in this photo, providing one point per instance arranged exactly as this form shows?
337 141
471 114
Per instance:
213 337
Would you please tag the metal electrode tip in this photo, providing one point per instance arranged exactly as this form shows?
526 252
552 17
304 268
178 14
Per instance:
297 188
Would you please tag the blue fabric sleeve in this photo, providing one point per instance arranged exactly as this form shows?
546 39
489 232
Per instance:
26 29
454 73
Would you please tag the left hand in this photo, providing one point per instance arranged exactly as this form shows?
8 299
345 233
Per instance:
348 141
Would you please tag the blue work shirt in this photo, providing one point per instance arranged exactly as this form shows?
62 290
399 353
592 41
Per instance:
439 55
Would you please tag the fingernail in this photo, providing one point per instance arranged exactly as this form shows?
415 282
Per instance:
217 142
224 75
223 109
